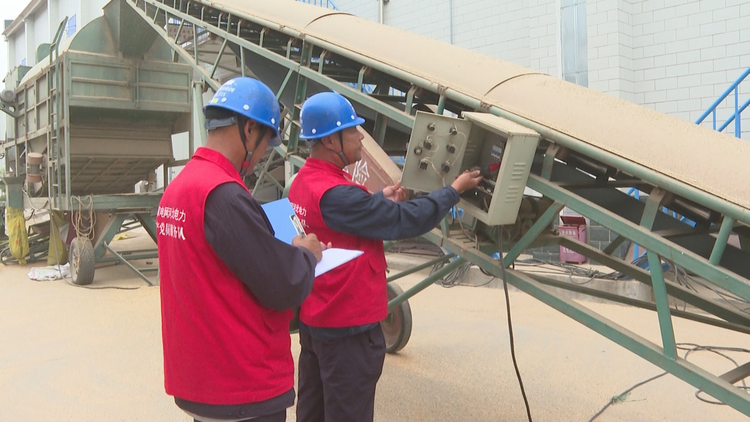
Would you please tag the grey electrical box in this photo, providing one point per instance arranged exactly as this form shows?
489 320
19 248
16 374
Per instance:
441 147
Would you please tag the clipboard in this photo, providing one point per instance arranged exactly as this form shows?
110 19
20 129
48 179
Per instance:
286 225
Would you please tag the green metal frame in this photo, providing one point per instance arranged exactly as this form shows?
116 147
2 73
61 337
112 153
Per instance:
639 223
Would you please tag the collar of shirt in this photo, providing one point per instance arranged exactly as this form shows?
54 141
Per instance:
319 164
215 157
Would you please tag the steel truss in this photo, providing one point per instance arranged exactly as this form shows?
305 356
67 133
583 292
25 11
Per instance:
567 171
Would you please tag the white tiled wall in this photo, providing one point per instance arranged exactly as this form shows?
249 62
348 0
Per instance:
675 56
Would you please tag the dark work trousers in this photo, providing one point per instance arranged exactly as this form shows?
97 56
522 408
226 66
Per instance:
276 417
337 378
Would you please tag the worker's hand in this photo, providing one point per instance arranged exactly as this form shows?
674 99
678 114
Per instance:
396 193
311 243
466 180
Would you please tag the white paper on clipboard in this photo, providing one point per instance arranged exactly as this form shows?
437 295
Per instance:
286 225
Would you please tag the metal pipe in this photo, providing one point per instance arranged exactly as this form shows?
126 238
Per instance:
381 12
721 98
721 241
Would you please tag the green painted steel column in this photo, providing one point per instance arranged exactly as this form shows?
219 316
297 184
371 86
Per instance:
657 276
662 305
440 104
549 160
381 124
680 256
198 109
721 240
299 98
542 223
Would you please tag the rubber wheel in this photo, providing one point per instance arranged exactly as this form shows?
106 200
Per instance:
82 261
397 325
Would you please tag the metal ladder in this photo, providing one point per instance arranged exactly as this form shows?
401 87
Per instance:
54 104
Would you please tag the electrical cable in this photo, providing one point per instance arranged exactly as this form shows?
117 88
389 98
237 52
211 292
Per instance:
510 327
681 346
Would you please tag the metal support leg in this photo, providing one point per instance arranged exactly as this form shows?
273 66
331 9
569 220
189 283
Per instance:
721 240
125 261
662 306
535 230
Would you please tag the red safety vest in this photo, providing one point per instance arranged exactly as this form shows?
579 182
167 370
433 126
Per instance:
354 293
221 346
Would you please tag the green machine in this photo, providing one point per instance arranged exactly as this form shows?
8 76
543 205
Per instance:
90 121
546 145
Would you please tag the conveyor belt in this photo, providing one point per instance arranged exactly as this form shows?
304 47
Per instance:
710 161
300 49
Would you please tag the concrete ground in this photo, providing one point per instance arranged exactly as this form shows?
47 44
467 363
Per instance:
74 354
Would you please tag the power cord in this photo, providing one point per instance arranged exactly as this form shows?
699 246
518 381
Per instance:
681 346
510 327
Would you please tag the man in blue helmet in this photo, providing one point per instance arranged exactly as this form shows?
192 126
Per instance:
227 285
343 347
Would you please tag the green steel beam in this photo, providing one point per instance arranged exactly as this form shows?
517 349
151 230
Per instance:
128 264
135 202
673 289
299 97
539 226
662 305
360 97
681 368
663 247
218 58
440 104
420 267
361 77
410 99
430 280
549 160
577 288
105 235
381 125
283 84
180 51
688 372
721 240
610 249
652 208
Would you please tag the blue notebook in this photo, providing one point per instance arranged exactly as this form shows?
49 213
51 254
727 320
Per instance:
286 225
284 221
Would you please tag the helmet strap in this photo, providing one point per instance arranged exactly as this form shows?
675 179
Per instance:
246 162
341 154
243 138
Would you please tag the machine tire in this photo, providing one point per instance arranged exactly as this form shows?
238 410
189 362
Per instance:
397 325
82 261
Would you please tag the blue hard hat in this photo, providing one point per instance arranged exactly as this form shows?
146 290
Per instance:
326 113
250 98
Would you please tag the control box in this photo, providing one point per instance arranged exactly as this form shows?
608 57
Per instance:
442 147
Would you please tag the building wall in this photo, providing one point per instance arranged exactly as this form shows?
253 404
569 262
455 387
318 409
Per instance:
18 49
69 8
674 56
41 32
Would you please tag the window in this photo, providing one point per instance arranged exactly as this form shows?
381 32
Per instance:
71 26
574 43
